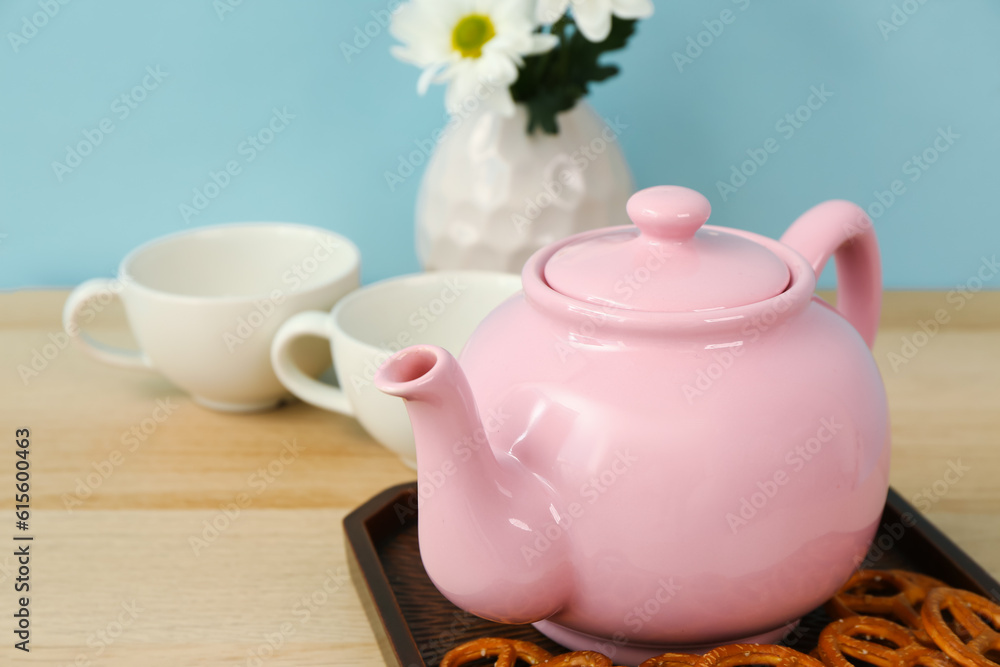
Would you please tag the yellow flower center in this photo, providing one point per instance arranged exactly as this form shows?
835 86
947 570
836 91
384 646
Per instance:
471 33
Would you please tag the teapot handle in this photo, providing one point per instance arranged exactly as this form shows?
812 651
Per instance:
844 230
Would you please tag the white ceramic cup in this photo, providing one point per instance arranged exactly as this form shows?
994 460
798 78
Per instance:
205 304
366 327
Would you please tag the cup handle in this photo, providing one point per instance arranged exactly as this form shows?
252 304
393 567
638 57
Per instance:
310 390
73 310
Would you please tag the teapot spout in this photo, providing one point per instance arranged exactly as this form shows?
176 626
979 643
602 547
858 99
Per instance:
480 511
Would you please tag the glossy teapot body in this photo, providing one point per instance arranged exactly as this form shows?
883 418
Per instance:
718 474
635 473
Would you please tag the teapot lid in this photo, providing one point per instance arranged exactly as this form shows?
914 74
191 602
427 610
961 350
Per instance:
667 262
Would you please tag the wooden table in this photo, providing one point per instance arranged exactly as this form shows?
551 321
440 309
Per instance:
145 557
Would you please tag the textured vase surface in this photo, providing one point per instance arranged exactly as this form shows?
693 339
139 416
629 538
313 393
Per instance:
493 194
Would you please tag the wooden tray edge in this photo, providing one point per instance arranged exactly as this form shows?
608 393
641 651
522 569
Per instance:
949 556
371 582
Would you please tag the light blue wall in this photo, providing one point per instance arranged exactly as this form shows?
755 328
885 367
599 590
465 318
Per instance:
352 121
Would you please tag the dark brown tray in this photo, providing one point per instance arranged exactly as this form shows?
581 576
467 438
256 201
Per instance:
415 625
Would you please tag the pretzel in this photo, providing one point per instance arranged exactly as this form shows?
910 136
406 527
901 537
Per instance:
579 659
876 641
506 651
921 579
865 593
974 616
735 655
672 660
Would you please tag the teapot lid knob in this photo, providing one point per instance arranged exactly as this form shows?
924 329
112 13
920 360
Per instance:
669 212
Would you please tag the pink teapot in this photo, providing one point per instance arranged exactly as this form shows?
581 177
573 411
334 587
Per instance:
666 441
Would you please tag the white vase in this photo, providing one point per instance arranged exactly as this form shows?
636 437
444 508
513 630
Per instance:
493 194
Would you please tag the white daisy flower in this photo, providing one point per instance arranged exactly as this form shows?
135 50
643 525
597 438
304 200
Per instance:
475 46
593 17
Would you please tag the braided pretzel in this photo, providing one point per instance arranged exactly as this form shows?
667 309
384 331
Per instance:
735 655
875 641
506 651
672 660
893 594
975 616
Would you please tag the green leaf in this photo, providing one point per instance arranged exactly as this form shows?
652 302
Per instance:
605 72
553 82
